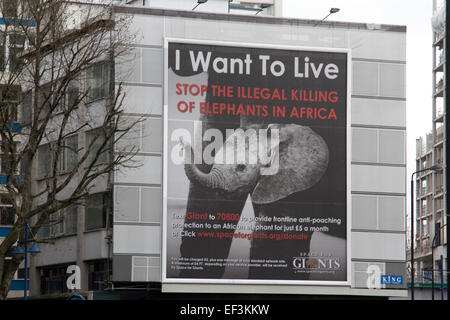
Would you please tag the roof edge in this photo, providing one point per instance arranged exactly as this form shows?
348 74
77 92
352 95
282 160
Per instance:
258 19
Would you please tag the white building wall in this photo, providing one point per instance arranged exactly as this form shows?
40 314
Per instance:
378 133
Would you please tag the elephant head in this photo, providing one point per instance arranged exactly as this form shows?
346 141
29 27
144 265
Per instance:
301 158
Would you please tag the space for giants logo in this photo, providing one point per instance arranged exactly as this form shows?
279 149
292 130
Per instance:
311 262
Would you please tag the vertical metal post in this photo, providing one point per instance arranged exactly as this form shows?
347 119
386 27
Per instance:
412 236
432 269
445 150
441 269
26 263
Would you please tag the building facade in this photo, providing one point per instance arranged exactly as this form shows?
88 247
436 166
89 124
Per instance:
430 186
11 45
378 129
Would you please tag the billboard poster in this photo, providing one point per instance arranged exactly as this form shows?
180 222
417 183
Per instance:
255 164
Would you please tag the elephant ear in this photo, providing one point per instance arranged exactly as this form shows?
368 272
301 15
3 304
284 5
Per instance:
303 159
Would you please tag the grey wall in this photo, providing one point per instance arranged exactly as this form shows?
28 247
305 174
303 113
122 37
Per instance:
378 136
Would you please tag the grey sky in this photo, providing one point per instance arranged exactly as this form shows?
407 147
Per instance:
416 15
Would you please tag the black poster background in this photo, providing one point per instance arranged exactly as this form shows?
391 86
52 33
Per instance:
193 257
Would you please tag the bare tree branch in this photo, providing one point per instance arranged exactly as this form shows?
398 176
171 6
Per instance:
71 119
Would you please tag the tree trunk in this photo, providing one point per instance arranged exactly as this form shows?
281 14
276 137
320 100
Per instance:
7 276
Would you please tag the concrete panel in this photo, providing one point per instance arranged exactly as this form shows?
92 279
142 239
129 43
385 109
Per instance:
264 33
391 213
149 171
95 245
147 30
396 269
146 268
210 6
386 213
152 135
378 45
126 204
151 205
121 268
142 100
378 246
137 239
152 64
128 66
365 78
367 274
392 80
175 28
364 145
130 141
378 179
62 251
364 212
377 112
392 146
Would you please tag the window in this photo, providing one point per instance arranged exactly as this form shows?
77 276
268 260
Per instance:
44 161
98 212
98 81
70 220
57 103
425 230
437 232
7 157
53 279
11 46
44 230
44 106
63 222
9 99
7 216
99 136
72 94
66 98
24 163
56 224
67 161
2 51
25 108
16 46
97 275
69 154
9 8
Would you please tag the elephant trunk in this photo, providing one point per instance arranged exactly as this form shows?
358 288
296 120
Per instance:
213 179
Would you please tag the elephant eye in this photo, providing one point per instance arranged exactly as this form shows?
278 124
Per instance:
240 167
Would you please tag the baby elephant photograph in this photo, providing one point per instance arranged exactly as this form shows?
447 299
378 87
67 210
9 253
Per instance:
293 160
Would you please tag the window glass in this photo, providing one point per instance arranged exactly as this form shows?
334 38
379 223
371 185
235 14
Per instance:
16 46
53 279
44 161
9 8
44 92
26 107
69 154
96 211
97 275
6 210
98 81
57 224
72 94
70 220
44 230
98 136
2 52
6 157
